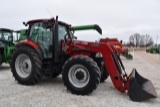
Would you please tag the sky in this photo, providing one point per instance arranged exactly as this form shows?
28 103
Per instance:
117 18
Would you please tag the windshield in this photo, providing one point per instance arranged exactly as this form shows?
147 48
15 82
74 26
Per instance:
62 32
6 36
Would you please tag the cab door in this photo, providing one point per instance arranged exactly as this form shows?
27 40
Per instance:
42 35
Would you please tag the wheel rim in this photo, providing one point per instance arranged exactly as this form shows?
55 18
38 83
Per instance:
79 76
23 66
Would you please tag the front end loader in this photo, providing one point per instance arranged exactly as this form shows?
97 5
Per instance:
51 49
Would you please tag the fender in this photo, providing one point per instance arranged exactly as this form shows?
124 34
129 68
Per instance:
32 44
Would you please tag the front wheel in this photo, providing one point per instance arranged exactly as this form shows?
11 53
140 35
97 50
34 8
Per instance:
26 66
81 75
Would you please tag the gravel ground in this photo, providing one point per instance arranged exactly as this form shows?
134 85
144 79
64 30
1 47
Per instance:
52 92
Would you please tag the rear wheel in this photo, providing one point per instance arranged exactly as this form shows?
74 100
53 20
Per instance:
81 75
26 66
104 72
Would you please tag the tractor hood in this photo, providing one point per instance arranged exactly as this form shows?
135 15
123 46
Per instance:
87 27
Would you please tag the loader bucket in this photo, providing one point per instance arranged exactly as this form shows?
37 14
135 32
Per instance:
140 88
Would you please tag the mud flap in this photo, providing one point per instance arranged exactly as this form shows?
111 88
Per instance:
140 88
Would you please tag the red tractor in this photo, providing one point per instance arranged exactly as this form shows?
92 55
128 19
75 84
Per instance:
50 49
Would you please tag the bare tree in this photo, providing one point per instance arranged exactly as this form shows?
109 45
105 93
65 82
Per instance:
131 41
140 40
135 39
148 40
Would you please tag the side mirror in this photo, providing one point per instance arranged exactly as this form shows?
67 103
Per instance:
24 24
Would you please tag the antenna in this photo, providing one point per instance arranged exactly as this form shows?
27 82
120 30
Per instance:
49 12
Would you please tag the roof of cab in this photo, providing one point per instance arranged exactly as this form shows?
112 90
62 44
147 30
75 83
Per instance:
5 29
50 20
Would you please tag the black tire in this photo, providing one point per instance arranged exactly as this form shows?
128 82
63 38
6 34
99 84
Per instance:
84 63
35 74
104 74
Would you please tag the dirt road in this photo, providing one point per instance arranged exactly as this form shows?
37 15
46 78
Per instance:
153 59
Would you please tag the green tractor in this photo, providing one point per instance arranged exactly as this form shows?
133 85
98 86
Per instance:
153 50
21 35
7 43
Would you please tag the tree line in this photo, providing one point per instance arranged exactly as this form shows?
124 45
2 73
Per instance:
137 40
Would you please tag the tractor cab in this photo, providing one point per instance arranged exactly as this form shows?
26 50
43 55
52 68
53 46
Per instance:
41 32
6 35
46 37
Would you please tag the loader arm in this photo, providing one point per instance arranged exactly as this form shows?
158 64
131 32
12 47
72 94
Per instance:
113 41
112 65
